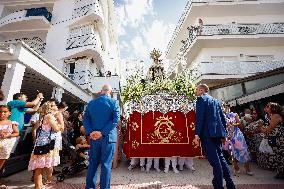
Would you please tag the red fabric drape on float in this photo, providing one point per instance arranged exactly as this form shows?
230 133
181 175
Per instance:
160 135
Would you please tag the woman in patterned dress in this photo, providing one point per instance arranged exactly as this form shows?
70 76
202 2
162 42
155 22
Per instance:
42 163
237 141
253 135
275 134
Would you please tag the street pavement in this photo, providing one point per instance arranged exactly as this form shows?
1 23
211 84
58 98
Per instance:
122 178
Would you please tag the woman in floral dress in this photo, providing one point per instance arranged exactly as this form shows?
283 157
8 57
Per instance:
237 141
275 134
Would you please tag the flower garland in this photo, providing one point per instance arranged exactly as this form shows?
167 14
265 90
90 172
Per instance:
138 87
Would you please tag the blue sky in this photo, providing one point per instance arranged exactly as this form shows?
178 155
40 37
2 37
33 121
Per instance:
145 24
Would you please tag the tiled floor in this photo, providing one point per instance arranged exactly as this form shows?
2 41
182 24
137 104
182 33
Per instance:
135 179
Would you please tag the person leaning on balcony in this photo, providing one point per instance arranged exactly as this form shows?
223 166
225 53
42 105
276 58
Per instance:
1 95
19 106
210 130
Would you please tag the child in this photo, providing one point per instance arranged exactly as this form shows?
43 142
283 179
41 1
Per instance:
238 144
8 135
82 149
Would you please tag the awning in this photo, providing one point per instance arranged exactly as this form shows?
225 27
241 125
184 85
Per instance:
259 95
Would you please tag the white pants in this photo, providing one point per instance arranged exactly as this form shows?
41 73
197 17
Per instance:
135 161
150 162
168 161
188 162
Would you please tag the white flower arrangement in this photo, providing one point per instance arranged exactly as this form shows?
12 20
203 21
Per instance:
137 87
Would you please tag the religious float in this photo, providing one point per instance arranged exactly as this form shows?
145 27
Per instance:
159 114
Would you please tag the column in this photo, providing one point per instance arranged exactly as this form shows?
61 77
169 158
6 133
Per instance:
57 93
13 78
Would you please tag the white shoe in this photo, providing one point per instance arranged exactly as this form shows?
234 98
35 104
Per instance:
175 170
181 168
166 170
191 168
142 168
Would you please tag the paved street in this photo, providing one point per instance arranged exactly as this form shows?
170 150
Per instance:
122 178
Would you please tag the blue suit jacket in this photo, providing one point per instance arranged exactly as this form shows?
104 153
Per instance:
102 114
210 119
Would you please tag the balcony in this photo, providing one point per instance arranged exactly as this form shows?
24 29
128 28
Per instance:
84 42
232 30
195 9
23 20
36 43
87 11
226 71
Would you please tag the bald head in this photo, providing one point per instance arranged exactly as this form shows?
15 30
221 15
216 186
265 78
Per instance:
106 89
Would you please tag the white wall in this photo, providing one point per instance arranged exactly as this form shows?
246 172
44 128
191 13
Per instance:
206 53
57 36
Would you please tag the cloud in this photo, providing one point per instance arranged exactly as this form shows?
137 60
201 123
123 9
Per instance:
132 13
156 35
139 47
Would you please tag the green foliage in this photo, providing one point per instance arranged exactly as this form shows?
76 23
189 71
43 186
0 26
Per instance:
137 87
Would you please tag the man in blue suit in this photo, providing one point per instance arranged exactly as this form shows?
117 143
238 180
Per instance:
211 129
100 120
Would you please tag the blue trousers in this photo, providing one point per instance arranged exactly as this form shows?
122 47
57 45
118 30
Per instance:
101 152
213 151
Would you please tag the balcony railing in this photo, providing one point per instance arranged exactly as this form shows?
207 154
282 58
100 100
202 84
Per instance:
83 40
231 29
189 5
233 68
85 7
12 17
18 15
36 43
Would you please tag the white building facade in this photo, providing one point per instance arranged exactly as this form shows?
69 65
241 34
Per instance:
69 46
219 42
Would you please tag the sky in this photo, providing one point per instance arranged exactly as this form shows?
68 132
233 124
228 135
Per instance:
146 24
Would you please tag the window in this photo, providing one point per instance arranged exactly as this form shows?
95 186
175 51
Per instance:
72 68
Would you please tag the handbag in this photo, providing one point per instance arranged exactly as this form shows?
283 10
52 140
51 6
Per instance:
264 147
44 149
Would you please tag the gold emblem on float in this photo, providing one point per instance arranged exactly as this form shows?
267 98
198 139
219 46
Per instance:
164 129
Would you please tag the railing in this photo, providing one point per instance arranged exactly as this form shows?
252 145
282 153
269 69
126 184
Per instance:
18 15
233 68
232 29
36 43
84 7
188 7
83 78
83 40
13 16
